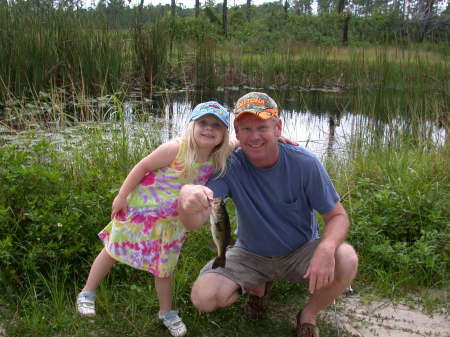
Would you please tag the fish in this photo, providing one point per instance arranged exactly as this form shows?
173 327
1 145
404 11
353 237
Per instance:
220 230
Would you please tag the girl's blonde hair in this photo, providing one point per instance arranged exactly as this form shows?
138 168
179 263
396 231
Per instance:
218 156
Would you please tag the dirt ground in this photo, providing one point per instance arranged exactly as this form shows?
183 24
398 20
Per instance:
386 319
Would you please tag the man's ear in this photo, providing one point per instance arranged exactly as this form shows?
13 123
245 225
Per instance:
278 128
236 129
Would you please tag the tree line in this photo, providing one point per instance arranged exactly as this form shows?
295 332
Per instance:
428 17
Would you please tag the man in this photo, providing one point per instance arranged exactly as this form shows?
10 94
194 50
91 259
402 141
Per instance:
276 188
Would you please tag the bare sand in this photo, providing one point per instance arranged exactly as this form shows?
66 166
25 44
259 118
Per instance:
385 318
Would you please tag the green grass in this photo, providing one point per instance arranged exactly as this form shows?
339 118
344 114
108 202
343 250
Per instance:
127 305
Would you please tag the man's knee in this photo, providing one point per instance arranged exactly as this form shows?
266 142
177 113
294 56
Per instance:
346 261
201 297
212 291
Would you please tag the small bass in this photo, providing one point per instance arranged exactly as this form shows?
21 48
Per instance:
220 229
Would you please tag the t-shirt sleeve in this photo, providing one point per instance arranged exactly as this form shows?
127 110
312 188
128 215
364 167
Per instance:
219 186
319 189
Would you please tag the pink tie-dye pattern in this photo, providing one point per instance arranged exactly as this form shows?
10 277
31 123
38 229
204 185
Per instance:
142 248
149 222
138 219
148 179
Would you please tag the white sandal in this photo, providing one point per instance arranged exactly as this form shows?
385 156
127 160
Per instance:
174 323
85 304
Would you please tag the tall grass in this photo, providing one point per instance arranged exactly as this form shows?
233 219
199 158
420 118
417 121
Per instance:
50 49
151 47
58 49
396 183
205 73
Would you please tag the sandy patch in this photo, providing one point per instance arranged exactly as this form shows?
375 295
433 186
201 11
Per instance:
386 319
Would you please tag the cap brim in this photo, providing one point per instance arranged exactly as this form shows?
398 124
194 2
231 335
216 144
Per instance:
260 114
212 114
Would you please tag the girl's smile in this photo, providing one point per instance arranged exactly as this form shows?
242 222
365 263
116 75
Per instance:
208 131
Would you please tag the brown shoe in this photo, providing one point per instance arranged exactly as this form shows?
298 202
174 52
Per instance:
306 329
256 307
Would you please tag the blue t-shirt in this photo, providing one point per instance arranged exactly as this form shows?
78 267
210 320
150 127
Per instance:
275 206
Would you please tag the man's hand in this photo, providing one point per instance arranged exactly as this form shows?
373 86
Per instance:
194 205
321 268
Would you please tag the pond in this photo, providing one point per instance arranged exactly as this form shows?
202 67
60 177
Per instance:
324 122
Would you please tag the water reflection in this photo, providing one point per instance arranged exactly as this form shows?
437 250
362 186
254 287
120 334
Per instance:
326 123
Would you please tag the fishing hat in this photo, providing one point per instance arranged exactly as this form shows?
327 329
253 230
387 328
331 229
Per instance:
211 108
257 103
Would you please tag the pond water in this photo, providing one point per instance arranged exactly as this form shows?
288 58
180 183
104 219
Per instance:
324 122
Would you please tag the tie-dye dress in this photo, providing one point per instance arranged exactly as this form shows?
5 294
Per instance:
151 235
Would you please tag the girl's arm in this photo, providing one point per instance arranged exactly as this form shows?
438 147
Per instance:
161 157
287 141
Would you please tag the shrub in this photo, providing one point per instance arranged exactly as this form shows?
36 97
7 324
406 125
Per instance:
46 216
400 220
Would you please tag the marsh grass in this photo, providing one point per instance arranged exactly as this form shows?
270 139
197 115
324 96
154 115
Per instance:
151 46
397 198
58 49
87 57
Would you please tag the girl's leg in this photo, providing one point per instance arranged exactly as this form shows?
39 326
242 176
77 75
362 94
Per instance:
164 290
99 269
167 316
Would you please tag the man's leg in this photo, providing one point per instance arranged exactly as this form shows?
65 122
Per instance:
258 300
345 271
212 291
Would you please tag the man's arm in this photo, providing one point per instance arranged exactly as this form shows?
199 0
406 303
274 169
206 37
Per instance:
194 205
321 269
336 227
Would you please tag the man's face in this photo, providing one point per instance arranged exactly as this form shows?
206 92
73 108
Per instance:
259 139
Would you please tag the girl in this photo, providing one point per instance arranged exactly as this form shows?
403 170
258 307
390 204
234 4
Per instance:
145 231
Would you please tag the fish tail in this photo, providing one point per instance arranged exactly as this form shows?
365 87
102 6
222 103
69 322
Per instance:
219 262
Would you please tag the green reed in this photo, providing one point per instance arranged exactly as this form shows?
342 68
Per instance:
58 49
151 47
205 75
396 184
82 53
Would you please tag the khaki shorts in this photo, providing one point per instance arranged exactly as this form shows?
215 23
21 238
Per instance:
247 269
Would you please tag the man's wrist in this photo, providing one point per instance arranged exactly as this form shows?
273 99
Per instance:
328 245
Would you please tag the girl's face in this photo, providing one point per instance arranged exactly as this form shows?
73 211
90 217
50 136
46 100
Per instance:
209 132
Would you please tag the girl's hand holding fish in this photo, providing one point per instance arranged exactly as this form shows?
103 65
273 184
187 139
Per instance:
194 200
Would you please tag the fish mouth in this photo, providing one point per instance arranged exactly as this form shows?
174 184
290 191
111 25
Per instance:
215 201
214 204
